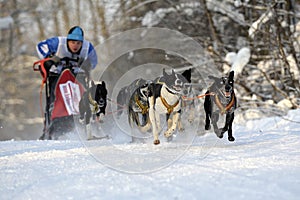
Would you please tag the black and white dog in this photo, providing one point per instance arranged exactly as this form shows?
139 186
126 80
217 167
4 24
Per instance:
125 94
220 99
93 103
165 98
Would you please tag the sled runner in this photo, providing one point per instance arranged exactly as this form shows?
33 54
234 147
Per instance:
64 87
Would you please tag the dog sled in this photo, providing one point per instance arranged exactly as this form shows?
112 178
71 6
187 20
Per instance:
64 86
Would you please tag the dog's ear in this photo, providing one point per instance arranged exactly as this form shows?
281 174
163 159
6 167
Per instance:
164 72
231 75
173 72
103 84
92 83
187 74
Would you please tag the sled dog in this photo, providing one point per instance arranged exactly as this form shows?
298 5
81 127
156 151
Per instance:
165 98
220 99
138 108
92 104
125 94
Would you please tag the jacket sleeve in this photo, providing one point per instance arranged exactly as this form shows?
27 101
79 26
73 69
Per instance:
47 47
92 56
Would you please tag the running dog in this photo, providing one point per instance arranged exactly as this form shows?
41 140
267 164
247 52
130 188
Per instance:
165 98
138 108
220 99
125 94
92 104
188 101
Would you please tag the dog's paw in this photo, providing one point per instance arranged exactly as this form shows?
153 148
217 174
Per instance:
219 133
207 126
168 133
156 142
223 130
181 129
81 121
191 121
231 139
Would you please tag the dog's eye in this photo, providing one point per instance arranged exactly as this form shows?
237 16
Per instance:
221 82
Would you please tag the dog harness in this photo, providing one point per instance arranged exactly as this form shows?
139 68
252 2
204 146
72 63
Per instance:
143 107
95 106
170 108
221 107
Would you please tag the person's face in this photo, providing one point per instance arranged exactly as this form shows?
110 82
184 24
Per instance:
74 45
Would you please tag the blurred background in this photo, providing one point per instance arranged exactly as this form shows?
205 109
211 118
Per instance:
260 37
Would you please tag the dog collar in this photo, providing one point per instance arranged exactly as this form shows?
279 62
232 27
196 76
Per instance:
169 90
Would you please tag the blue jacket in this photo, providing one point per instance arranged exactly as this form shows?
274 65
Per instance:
58 46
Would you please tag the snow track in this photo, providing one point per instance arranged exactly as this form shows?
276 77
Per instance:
263 163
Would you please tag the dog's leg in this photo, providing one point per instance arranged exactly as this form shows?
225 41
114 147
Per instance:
152 117
228 126
88 131
157 121
179 123
208 111
144 119
99 117
168 120
231 118
215 119
191 113
171 130
81 111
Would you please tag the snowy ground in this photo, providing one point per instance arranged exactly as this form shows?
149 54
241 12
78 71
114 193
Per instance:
263 163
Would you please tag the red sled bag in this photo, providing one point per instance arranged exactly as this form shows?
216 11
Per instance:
68 92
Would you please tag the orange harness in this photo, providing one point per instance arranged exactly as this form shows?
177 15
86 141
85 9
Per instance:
217 101
221 107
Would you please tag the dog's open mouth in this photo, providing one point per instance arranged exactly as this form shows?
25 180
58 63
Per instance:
177 88
101 103
227 94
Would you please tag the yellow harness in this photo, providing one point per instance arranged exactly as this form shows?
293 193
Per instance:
143 107
170 108
95 106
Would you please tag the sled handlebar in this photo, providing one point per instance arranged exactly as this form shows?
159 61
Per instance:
39 64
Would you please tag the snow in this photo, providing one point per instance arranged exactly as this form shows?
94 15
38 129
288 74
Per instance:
263 163
153 18
237 60
255 26
242 58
